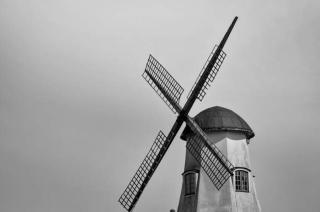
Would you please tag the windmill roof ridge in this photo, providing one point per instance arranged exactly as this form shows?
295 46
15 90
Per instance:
217 119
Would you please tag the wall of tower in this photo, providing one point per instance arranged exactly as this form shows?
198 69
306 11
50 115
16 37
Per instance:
238 154
208 198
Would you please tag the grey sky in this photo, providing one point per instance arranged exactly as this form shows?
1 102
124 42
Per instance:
77 118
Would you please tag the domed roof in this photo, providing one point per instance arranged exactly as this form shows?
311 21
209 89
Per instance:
219 119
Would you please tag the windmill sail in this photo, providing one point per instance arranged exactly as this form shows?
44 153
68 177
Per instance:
209 163
210 158
203 80
213 72
131 194
163 83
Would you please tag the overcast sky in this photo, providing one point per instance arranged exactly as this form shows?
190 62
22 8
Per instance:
77 118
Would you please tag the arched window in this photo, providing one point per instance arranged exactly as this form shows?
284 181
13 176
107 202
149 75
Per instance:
190 183
242 181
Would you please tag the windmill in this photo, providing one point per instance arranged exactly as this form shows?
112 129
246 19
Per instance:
211 159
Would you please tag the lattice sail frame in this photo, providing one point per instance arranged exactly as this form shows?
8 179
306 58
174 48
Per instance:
212 74
209 163
131 194
208 156
155 71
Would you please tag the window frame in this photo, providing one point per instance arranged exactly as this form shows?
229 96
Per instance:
241 180
190 183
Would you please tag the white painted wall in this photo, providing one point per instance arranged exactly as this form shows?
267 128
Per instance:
208 199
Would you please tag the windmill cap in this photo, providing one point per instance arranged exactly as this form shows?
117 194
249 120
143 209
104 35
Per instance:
217 119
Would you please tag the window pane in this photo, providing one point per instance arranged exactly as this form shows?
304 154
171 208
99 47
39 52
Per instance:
190 184
242 181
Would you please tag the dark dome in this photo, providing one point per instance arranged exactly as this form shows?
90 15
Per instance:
219 119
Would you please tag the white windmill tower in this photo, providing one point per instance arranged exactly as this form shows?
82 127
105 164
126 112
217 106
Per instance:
231 134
